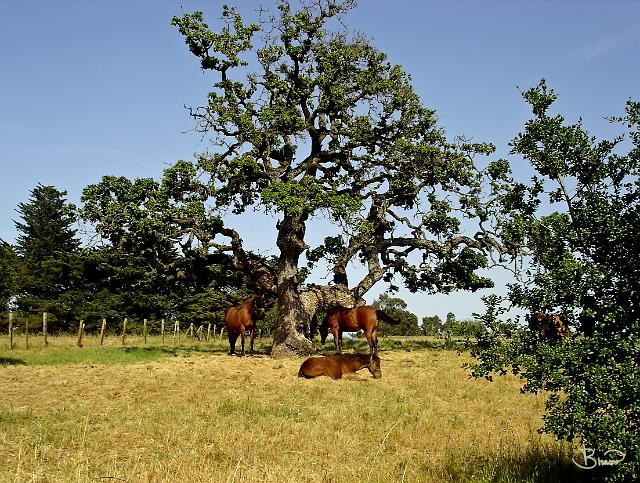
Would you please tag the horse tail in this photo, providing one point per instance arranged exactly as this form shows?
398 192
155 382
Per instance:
386 317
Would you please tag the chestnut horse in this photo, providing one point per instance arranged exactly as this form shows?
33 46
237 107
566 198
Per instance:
337 366
341 319
550 326
238 319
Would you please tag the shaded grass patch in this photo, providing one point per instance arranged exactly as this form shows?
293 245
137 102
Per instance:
62 350
11 361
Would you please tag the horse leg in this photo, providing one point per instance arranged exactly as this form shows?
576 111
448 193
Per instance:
370 340
242 339
253 336
233 336
340 342
336 341
373 343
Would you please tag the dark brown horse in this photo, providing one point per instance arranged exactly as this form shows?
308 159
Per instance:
337 366
341 319
240 318
549 326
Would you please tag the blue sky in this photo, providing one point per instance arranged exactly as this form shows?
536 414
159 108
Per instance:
98 88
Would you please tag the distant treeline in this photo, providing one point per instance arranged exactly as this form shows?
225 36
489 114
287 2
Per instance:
48 269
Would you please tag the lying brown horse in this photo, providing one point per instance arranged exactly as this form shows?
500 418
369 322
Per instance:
341 319
337 366
549 326
239 319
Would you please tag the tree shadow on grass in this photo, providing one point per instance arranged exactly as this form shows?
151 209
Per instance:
196 349
11 361
532 467
409 345
360 344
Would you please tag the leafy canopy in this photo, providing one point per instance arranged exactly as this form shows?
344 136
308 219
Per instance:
310 120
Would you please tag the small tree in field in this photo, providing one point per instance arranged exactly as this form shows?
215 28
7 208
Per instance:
310 122
584 267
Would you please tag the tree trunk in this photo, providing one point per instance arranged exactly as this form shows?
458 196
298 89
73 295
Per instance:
296 305
292 326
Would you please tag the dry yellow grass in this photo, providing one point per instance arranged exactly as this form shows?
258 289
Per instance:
220 418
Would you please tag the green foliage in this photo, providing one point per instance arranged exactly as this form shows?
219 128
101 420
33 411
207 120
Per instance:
432 325
584 260
464 328
48 252
8 274
159 236
308 196
309 119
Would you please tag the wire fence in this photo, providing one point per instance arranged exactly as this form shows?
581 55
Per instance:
27 331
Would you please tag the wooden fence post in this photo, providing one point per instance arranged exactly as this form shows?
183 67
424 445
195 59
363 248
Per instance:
221 331
144 331
104 327
44 329
176 332
80 333
162 330
10 330
209 332
124 330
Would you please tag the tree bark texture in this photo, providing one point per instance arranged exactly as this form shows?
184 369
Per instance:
291 332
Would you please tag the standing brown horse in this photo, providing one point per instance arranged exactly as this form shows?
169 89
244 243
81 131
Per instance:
341 319
337 366
238 319
550 326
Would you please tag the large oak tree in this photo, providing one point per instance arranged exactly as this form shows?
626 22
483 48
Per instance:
308 119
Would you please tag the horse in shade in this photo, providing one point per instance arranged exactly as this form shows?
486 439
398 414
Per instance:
239 319
549 326
341 319
338 365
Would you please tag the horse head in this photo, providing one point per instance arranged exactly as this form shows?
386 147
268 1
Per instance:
324 329
324 326
374 366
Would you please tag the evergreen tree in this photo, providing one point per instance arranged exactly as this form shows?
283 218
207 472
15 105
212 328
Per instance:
47 247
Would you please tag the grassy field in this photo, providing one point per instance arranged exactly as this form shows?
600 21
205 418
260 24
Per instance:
189 412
